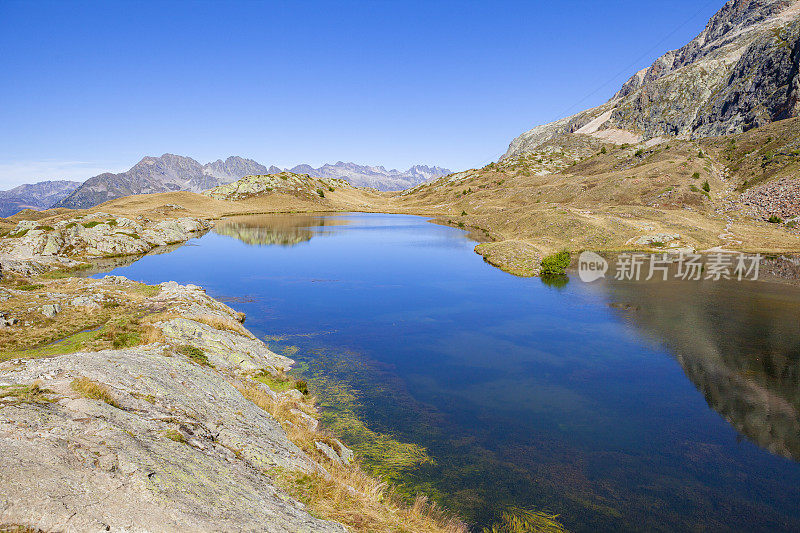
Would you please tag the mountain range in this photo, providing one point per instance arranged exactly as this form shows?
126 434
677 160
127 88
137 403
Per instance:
179 173
35 196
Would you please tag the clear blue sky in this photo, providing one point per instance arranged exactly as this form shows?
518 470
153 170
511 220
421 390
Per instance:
93 86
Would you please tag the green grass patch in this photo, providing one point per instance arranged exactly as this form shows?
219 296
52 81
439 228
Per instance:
195 354
44 228
122 333
176 436
19 234
774 219
33 393
70 344
91 224
66 272
276 383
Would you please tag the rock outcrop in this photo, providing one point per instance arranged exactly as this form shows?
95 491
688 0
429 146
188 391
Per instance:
148 439
739 73
299 185
91 236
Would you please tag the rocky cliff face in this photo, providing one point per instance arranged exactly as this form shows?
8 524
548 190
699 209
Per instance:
739 73
35 196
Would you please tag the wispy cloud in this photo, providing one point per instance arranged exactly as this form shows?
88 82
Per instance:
18 172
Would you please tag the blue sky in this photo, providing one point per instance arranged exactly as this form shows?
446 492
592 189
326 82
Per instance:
94 86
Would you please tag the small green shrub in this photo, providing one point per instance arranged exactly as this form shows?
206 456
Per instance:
603 150
463 213
696 176
195 354
321 193
774 219
694 188
555 265
700 154
175 435
640 152
791 224
706 186
302 386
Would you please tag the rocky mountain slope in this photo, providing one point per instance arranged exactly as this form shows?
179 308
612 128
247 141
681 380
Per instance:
35 196
739 73
150 175
178 173
376 177
236 167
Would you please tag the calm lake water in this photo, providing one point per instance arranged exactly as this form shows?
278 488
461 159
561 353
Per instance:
620 406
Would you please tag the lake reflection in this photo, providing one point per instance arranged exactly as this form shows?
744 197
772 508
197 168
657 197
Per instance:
571 398
738 342
282 230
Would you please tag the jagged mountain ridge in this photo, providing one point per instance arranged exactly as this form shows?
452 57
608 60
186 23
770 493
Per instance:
376 177
739 73
179 173
39 195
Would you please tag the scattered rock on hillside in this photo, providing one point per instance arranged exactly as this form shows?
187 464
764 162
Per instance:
779 198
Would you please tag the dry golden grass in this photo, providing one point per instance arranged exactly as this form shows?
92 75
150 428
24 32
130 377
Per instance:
33 393
224 324
117 323
93 390
348 494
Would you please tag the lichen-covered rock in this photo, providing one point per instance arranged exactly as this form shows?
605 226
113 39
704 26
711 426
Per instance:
95 235
180 450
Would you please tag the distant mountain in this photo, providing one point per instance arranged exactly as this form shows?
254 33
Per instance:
35 196
376 177
741 72
236 167
160 174
178 173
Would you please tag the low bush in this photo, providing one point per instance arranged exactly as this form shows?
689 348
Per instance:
555 265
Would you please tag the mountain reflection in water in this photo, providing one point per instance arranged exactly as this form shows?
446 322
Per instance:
281 230
738 342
